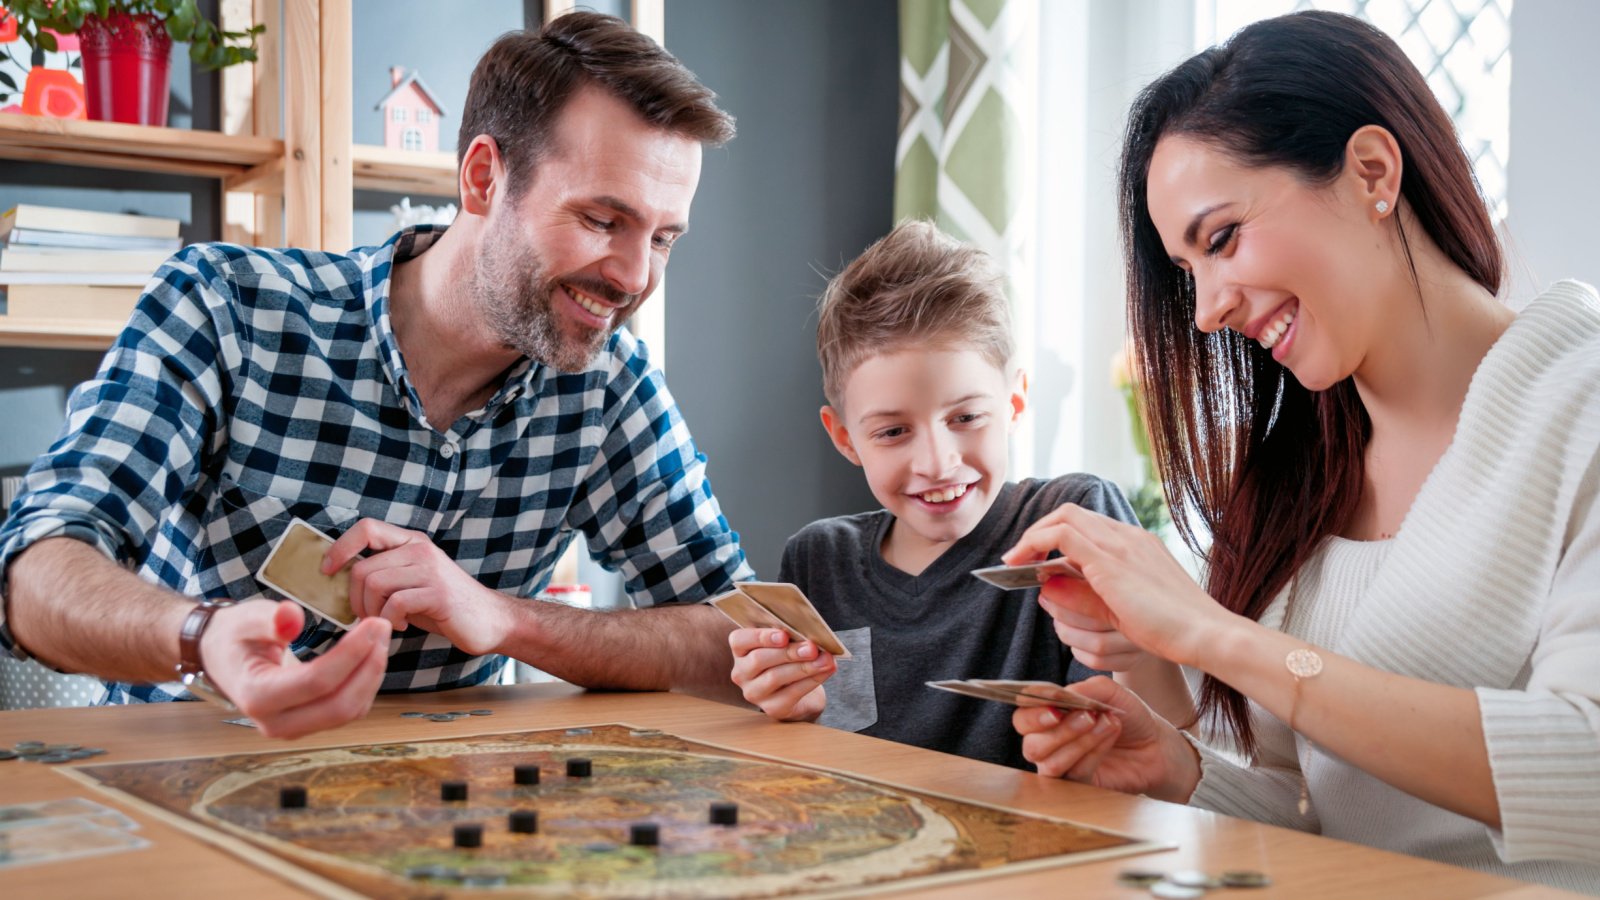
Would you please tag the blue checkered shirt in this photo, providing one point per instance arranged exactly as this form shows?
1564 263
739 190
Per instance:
252 386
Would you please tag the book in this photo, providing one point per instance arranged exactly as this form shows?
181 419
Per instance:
53 259
71 302
34 237
55 218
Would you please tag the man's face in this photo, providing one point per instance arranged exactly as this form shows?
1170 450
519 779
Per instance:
574 255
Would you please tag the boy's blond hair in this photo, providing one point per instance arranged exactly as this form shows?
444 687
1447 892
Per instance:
915 287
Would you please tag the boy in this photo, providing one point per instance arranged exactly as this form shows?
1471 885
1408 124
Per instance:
915 344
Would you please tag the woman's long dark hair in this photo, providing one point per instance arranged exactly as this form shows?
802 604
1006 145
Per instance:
1269 467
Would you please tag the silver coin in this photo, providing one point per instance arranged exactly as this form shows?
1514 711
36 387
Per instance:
55 758
646 732
480 712
441 717
1138 877
81 753
1190 878
1169 891
1244 879
413 715
24 745
8 754
575 732
95 751
62 748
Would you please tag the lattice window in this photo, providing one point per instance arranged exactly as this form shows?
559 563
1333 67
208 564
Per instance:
1463 47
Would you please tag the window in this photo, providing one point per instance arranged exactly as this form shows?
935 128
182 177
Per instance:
397 113
424 116
1463 48
411 139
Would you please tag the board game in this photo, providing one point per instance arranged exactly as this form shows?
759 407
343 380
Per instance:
630 821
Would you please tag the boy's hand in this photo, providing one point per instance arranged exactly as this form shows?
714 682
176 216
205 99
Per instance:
784 681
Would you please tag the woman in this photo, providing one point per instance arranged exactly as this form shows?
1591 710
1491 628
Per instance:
1400 629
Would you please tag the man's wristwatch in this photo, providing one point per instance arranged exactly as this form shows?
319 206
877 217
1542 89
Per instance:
190 671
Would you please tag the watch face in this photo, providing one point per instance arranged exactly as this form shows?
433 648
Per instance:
197 684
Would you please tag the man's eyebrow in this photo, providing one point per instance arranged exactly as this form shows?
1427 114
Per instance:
611 202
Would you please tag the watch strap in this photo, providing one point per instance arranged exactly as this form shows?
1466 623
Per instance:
194 627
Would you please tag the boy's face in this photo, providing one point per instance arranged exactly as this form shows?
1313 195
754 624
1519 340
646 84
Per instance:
931 428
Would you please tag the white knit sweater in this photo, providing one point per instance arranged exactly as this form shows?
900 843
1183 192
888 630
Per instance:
1492 583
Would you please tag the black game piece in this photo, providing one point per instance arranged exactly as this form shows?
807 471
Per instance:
524 821
453 790
292 797
469 835
525 774
724 813
644 834
579 768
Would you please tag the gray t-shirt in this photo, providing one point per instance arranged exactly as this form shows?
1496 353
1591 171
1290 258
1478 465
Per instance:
903 631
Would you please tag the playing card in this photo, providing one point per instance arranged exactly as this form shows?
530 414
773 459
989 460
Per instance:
792 607
747 613
69 807
790 612
294 569
1016 578
28 842
1022 693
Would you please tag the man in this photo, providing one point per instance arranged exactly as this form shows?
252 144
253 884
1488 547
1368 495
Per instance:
457 403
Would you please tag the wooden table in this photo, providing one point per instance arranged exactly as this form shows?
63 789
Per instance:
179 866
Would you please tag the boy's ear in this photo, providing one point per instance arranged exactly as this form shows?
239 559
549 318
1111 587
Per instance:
1019 395
833 424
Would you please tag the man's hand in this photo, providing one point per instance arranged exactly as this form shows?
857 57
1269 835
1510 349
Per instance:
245 654
409 581
786 682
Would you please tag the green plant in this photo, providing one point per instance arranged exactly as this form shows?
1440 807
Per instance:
209 46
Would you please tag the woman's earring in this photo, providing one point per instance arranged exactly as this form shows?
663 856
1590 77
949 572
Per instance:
1383 207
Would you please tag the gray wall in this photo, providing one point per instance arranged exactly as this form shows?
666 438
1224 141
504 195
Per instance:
1552 190
805 186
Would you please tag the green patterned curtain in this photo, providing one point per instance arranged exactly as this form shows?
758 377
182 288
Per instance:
965 156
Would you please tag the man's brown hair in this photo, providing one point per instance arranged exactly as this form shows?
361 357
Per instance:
526 78
915 287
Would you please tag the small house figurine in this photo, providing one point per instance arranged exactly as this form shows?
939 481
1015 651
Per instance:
410 113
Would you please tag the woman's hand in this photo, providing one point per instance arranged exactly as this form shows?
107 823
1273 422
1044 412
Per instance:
1131 582
1133 750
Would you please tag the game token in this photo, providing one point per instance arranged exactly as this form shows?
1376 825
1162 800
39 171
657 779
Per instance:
26 745
646 732
644 834
525 774
599 847
441 717
482 877
724 813
524 821
293 797
575 732
8 754
480 712
1169 891
578 767
453 790
1138 877
1191 878
1244 879
95 751
61 748
469 835
413 715
54 758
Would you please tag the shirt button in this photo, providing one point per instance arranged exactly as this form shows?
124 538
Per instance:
447 451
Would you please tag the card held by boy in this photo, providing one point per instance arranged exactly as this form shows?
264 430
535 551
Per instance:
294 569
1031 575
762 604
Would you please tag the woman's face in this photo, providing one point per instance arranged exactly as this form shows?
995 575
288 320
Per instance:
1301 270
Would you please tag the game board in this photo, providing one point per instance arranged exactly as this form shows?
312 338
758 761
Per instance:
376 825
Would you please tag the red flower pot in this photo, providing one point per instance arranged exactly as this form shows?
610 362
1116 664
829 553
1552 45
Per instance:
125 62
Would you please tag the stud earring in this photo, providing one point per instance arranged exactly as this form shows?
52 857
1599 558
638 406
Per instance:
1383 207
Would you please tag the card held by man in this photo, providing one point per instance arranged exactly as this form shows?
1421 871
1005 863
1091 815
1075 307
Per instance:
294 569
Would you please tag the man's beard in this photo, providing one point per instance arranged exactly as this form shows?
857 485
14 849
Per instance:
518 300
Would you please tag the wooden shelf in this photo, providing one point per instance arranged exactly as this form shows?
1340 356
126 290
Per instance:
58 334
139 148
403 171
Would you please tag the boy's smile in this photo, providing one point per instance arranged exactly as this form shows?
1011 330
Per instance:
930 428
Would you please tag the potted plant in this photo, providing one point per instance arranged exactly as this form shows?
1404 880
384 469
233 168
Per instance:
126 45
